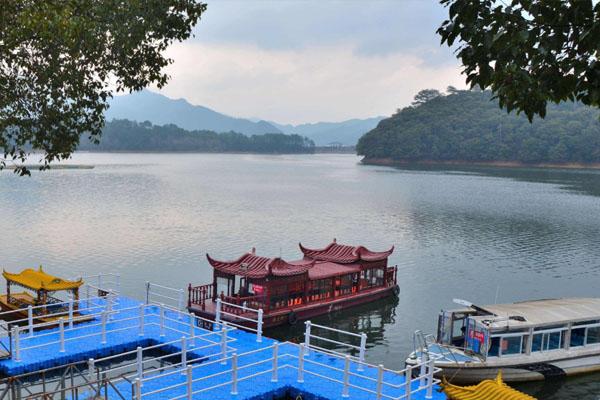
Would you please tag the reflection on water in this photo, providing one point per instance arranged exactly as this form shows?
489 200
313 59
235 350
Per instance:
474 233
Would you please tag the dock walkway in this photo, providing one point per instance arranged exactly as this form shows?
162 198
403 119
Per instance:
206 362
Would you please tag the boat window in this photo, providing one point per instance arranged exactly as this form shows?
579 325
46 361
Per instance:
549 339
320 290
343 285
508 344
223 286
577 337
371 277
279 297
593 335
512 345
494 350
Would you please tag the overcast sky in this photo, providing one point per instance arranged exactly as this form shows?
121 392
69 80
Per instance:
308 61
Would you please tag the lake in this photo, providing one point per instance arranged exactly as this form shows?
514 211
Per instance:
482 234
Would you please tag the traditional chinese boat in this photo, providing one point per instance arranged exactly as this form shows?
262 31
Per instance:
45 306
527 341
324 280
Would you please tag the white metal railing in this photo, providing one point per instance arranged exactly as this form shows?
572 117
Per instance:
276 361
258 321
361 348
100 283
158 294
107 315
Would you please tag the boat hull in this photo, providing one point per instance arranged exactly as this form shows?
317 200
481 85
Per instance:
304 312
525 372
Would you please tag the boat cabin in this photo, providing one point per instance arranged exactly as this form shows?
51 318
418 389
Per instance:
39 289
273 284
525 328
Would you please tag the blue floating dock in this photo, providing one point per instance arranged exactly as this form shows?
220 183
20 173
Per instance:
211 377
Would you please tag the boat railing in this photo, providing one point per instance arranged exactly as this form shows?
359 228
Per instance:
242 305
245 317
424 343
200 294
160 294
310 336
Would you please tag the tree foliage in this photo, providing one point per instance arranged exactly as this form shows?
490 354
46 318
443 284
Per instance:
528 52
467 126
60 60
125 135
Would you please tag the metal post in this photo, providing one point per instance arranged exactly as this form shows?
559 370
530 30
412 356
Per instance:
147 292
224 343
87 295
138 389
218 311
192 331
379 380
109 305
407 384
118 283
183 354
30 319
430 366
307 337
142 305
15 335
259 326
234 374
361 354
61 329
301 364
91 372
140 362
162 320
423 371
103 341
70 313
274 377
189 382
345 390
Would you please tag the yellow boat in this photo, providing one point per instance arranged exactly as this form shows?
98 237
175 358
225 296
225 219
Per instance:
45 307
485 390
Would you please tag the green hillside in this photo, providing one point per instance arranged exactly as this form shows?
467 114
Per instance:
469 126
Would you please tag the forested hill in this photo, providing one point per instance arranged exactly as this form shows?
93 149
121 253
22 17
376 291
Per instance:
467 126
125 135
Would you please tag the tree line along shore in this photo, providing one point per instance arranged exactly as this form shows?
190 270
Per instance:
468 127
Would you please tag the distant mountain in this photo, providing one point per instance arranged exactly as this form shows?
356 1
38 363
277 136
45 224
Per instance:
161 110
322 133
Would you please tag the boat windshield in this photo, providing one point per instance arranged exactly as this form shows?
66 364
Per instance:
452 327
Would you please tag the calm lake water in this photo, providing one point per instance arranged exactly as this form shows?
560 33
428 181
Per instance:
484 235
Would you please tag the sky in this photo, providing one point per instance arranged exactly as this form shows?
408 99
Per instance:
307 61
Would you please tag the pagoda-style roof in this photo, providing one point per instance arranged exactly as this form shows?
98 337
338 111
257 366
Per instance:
485 390
344 254
38 279
252 266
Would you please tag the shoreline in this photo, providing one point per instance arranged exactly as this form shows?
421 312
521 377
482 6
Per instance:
388 162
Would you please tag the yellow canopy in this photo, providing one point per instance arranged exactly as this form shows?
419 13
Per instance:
484 390
38 279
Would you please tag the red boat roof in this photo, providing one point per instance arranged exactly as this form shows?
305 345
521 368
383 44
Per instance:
327 269
344 254
252 266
